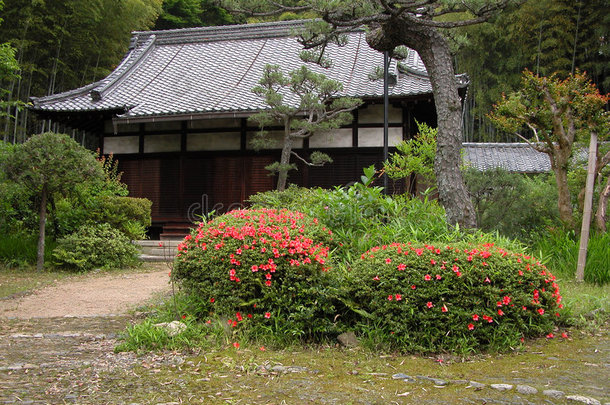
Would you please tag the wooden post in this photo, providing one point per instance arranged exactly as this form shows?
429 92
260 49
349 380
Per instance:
586 214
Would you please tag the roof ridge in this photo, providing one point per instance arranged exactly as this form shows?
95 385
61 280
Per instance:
222 32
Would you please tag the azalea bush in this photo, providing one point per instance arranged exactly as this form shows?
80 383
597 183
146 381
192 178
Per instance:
425 298
263 271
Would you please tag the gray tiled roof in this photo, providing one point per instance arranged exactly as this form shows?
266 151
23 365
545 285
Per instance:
212 70
513 157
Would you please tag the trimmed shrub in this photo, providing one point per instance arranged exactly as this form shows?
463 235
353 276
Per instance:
94 246
127 214
263 270
424 298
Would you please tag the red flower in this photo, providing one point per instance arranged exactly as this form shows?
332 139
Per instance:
429 304
376 278
268 283
236 345
500 312
564 335
239 317
540 311
550 336
444 309
438 277
432 262
183 316
388 260
254 268
427 277
267 315
475 317
401 267
470 326
390 297
413 287
262 348
160 244
212 300
398 297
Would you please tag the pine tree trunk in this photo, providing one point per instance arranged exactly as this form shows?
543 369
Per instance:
434 52
41 229
453 194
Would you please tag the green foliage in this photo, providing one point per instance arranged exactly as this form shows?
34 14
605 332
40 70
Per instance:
51 162
129 215
362 216
95 246
415 156
544 36
530 202
559 250
262 270
191 13
425 298
18 249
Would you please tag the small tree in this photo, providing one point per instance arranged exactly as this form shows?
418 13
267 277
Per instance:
50 164
414 156
558 113
303 102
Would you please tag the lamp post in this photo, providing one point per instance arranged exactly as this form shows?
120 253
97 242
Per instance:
386 62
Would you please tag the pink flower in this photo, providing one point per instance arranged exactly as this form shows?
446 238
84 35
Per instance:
376 278
267 315
475 317
432 262
500 312
438 277
427 277
236 345
429 304
413 287
390 297
388 260
470 326
398 297
550 336
401 267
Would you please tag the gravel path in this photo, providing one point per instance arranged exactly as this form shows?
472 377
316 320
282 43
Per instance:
90 296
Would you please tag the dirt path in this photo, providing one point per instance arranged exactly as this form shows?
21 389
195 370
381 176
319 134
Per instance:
90 296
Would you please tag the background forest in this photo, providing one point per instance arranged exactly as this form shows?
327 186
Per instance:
64 44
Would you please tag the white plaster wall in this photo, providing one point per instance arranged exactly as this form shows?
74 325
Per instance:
121 144
336 138
213 141
161 143
373 137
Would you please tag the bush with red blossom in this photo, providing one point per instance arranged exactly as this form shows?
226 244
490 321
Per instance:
262 270
434 298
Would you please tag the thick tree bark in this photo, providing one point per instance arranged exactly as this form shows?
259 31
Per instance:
41 229
559 165
434 52
602 207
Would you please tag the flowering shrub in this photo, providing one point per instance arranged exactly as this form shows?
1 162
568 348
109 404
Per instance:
426 298
262 269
